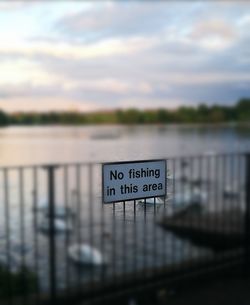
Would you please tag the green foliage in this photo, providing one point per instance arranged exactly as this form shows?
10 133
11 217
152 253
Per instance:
4 119
201 114
243 109
163 116
130 116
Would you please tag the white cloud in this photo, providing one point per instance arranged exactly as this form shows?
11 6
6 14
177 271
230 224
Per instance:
12 5
109 85
103 48
204 78
244 20
37 104
150 103
213 34
119 53
22 71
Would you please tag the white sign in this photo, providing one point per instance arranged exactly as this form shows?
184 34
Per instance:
133 180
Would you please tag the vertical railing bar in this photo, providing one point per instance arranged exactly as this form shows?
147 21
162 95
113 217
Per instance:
165 256
224 173
241 186
217 183
220 194
229 202
237 175
35 224
208 184
91 221
174 246
52 241
247 215
66 240
186 165
114 258
164 215
124 241
145 239
243 178
222 182
135 240
7 231
79 215
241 182
234 189
238 199
209 187
103 228
201 161
155 237
182 188
22 236
213 189
192 194
205 178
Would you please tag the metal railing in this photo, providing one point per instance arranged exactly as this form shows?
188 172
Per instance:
58 241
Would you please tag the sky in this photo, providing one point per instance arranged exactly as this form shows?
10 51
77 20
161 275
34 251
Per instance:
102 55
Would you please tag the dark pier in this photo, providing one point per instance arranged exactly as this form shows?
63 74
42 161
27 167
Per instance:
218 230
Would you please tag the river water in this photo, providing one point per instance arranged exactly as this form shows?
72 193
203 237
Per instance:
26 145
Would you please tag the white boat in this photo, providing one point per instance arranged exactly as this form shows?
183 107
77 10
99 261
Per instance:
151 201
60 226
84 254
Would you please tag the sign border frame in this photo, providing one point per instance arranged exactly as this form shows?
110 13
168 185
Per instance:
135 161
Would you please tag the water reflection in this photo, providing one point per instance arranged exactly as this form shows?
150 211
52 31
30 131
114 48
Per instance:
26 145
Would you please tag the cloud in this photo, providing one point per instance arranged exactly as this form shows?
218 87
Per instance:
40 104
110 85
110 47
13 5
213 34
21 71
117 20
150 103
112 54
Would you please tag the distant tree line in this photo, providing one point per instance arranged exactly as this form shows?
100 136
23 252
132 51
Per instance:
184 114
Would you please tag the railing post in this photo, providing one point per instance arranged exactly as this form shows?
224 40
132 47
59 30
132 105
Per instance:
247 215
52 245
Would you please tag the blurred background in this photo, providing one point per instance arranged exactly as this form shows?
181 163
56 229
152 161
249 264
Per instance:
179 70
